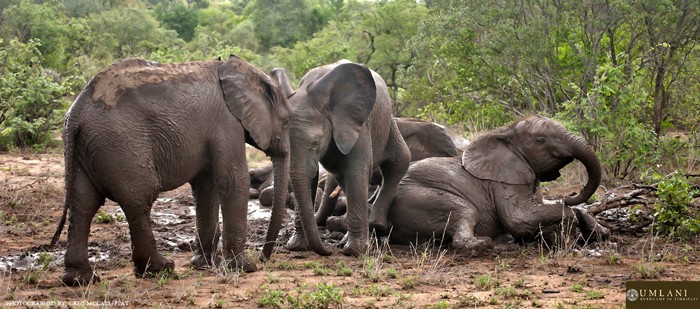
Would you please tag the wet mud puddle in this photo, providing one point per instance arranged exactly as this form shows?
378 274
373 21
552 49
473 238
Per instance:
173 223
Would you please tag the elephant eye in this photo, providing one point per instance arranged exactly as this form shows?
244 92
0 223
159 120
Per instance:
540 140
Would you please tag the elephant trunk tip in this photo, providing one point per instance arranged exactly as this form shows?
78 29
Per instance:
586 155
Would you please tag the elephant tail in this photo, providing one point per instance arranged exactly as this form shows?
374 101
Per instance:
70 133
59 228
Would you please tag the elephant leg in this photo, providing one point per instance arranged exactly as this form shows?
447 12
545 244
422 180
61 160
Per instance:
328 201
337 224
144 253
465 240
590 229
232 181
356 216
83 201
207 214
393 171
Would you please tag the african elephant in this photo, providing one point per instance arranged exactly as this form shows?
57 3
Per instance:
140 128
491 190
424 139
341 118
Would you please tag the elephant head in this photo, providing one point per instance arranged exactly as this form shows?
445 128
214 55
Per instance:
328 110
535 148
261 105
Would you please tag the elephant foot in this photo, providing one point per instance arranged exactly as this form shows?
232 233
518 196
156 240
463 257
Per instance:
336 224
253 193
240 262
378 221
355 246
590 229
266 196
79 276
152 268
297 243
474 245
204 261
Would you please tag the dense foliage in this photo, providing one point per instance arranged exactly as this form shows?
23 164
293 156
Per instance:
623 73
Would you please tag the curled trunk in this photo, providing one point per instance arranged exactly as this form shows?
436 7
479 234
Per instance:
583 152
281 176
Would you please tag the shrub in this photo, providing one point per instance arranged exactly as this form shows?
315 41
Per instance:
674 217
32 99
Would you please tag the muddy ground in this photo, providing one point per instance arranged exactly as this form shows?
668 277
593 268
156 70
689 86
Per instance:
31 199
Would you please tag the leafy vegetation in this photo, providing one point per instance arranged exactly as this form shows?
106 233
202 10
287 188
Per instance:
621 73
674 217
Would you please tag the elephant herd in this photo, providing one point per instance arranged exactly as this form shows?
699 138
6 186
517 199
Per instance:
140 128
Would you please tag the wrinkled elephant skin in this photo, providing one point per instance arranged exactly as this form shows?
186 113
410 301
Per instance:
140 128
490 191
341 118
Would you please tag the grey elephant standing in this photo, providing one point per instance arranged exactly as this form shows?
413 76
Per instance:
342 120
424 140
140 128
491 190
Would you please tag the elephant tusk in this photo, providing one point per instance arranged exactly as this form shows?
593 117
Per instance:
335 192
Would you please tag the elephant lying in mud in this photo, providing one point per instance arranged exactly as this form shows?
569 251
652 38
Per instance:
140 128
424 140
491 190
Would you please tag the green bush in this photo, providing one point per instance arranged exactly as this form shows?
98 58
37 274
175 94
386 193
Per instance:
33 100
613 116
674 216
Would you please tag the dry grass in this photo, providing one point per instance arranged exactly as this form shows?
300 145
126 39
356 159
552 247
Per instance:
422 276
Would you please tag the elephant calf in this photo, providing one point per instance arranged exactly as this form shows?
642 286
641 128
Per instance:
140 128
490 191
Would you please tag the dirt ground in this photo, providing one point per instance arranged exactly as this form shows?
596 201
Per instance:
512 276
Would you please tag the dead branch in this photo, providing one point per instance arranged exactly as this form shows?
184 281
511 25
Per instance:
635 197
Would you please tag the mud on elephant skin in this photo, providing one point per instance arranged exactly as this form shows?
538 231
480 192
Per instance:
424 139
139 128
491 190
341 119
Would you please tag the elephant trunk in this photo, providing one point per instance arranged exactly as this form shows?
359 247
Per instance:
583 152
303 181
281 175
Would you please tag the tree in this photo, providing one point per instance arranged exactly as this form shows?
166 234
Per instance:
386 30
42 23
283 23
181 17
672 30
125 32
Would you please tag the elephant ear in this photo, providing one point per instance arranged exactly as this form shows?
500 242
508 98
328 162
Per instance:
251 97
351 94
491 158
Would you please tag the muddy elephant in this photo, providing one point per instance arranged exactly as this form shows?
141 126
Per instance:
491 190
424 139
140 128
341 118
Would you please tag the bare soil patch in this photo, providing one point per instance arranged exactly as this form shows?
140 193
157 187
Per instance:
31 201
